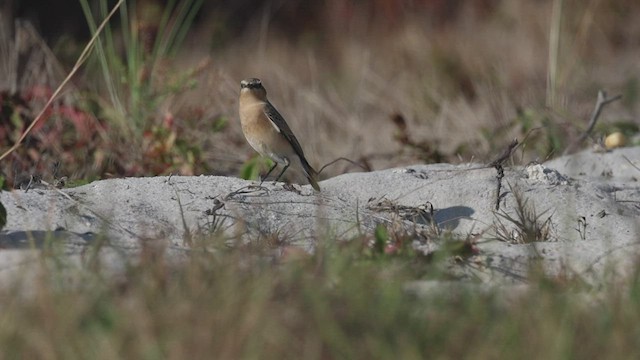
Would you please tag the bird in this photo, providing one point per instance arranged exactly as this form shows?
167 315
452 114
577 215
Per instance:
268 133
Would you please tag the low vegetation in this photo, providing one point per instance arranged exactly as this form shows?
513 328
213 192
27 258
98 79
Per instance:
341 302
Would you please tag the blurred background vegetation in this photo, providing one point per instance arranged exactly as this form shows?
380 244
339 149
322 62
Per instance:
384 82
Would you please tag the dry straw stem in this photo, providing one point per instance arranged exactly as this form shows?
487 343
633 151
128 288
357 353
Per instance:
554 49
81 59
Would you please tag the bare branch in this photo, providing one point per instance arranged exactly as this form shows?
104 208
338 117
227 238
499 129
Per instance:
342 159
505 153
600 103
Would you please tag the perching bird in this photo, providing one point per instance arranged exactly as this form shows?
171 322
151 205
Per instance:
268 133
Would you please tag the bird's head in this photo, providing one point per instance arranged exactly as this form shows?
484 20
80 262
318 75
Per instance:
254 87
251 83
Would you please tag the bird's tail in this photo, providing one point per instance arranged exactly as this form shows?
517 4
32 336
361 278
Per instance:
313 181
311 174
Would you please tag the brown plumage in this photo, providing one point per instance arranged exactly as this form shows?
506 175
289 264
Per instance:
268 133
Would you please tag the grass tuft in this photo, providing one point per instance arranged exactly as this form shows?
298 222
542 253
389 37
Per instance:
526 226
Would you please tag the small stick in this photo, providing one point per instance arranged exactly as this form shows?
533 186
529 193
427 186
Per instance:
600 103
631 163
505 154
500 175
342 159
497 164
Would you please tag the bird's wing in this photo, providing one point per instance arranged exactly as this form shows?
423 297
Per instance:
278 122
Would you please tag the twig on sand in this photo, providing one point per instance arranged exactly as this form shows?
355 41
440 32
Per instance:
497 164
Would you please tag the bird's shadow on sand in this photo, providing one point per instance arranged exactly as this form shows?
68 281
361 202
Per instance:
38 239
449 218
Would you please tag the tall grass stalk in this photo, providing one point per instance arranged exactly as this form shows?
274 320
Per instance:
128 68
86 52
554 51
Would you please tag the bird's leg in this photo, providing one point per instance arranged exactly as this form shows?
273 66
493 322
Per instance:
286 166
263 178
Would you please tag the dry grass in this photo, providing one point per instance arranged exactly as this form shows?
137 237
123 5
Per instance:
463 87
466 86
